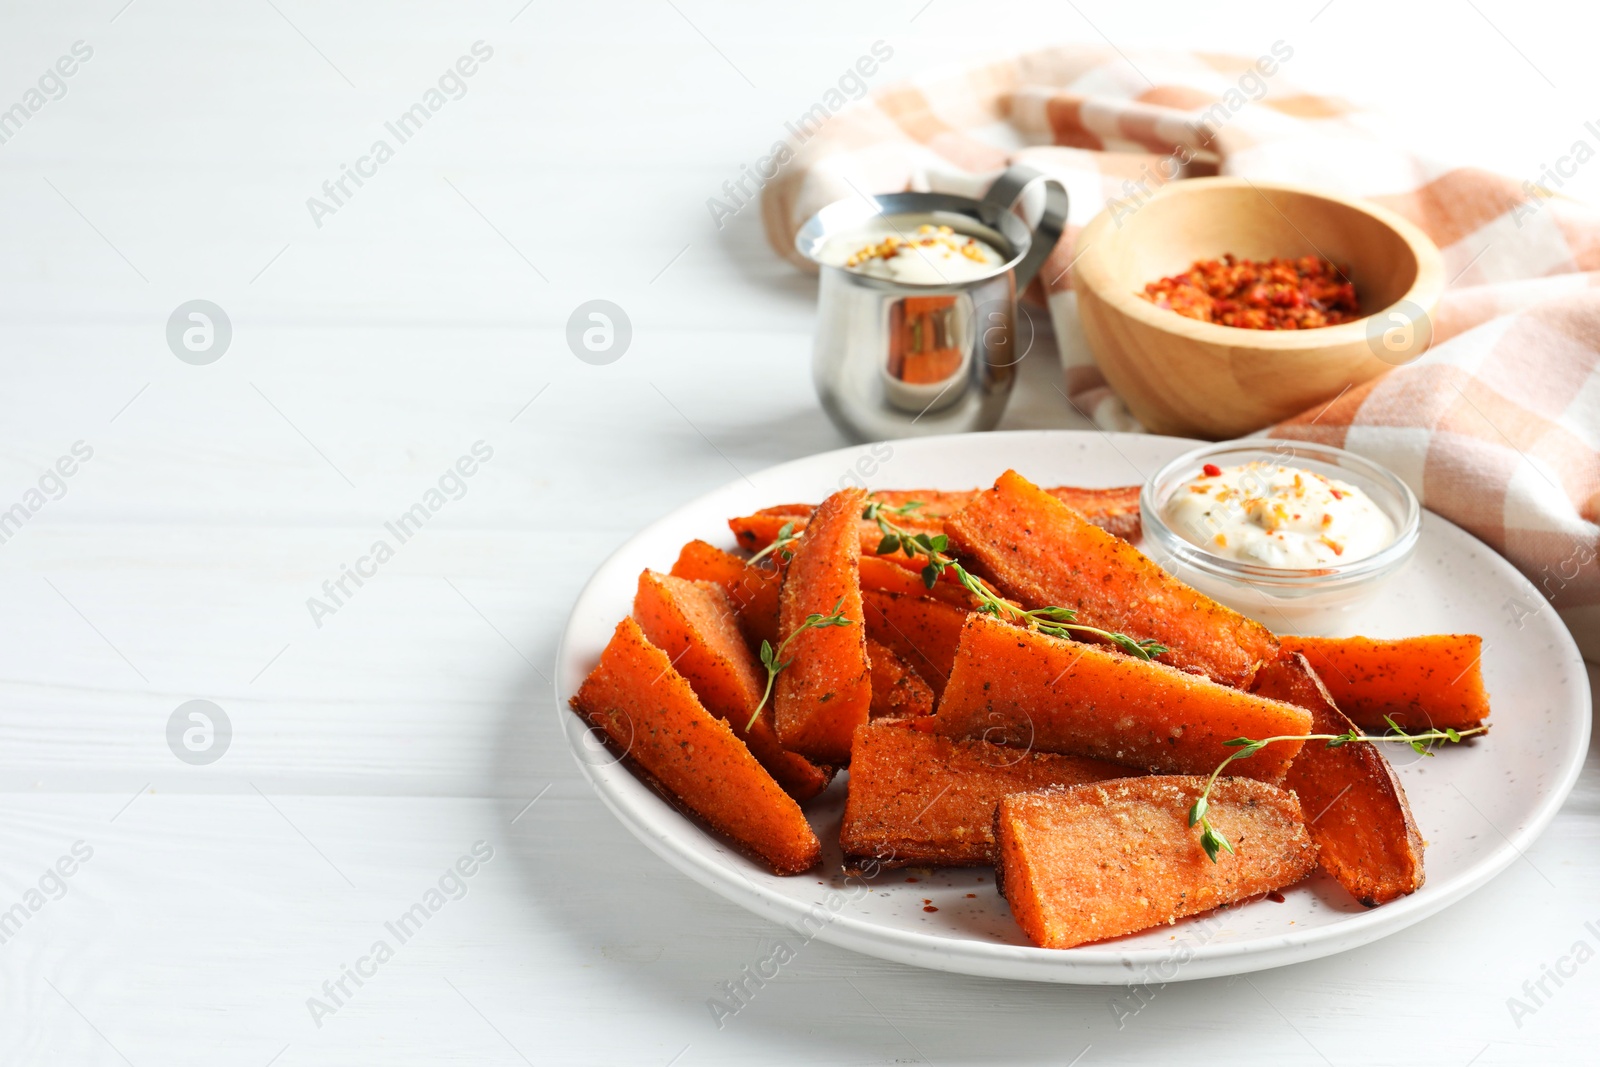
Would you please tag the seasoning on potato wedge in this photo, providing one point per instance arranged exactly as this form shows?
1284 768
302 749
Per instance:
1116 511
826 690
1021 687
917 799
694 624
650 715
923 630
1355 807
1042 553
753 589
1423 683
898 691
1110 858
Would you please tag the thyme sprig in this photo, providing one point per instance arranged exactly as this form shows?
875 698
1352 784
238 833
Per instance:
772 658
786 537
1055 621
1212 840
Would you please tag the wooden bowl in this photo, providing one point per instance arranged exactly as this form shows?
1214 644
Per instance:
1198 379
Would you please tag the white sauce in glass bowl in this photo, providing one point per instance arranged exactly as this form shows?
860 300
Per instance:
1276 516
904 249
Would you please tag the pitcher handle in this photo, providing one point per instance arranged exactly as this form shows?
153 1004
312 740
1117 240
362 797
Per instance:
1004 194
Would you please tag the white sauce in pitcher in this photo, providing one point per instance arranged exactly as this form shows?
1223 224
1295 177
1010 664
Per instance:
900 249
1277 516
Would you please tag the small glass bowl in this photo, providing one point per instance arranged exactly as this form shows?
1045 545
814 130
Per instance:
1285 600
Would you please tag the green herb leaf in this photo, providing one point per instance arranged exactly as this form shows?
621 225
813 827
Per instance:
1213 842
888 546
770 657
1198 811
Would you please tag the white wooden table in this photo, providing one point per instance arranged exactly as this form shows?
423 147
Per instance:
208 902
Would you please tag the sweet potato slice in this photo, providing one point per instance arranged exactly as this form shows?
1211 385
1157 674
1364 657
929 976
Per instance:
1115 511
694 624
898 691
923 630
886 574
1042 553
1424 683
1355 806
754 589
649 713
826 691
917 799
1101 860
1020 687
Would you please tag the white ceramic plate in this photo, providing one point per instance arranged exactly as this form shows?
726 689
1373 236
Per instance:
1477 805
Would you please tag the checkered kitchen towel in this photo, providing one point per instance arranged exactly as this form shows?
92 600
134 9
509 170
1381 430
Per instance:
1496 428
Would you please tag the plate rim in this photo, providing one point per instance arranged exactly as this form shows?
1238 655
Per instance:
1101 963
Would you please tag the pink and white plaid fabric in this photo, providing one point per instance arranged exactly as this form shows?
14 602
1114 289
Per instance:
1497 428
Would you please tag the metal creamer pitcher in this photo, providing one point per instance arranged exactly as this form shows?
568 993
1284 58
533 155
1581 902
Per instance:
899 359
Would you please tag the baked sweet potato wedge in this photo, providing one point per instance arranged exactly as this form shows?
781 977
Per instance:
1021 687
888 574
923 630
1355 807
694 624
1424 683
898 691
917 799
1101 860
826 691
649 713
1115 511
753 589
1042 553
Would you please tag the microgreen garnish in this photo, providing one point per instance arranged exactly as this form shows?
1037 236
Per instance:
1055 621
1211 838
786 537
772 659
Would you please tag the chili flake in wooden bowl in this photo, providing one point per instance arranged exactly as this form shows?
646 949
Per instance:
1274 294
1194 376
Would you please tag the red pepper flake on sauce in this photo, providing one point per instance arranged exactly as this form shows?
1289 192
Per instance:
1211 470
1272 294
